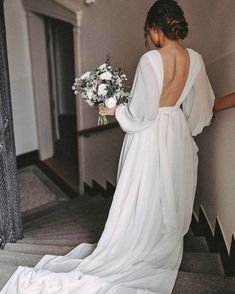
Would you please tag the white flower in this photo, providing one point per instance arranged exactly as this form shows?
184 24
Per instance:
102 90
102 66
85 75
73 88
76 92
90 102
94 85
89 94
119 81
106 76
110 102
89 1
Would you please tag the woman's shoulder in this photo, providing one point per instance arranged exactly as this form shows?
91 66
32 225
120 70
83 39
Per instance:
151 55
155 53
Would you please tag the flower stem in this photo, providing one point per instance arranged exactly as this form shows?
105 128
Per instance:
102 120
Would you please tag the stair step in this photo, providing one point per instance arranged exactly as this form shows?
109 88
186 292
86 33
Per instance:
189 233
37 249
69 235
76 210
63 205
61 242
72 219
195 283
17 258
204 263
6 272
75 228
195 244
207 263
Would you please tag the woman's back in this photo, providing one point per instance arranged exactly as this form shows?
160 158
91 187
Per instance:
176 64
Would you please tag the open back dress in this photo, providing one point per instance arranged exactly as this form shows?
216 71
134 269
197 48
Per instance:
140 249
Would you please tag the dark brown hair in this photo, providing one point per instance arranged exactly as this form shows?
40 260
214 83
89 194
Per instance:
167 16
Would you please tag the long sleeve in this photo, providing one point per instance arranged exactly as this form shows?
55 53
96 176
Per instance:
142 110
198 106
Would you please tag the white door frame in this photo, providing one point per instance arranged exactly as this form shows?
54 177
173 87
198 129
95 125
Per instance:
68 11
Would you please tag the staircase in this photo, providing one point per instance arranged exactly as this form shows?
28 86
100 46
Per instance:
62 226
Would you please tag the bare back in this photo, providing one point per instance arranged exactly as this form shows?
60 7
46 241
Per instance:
176 63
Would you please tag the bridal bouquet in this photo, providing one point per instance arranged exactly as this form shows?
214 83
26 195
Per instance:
104 85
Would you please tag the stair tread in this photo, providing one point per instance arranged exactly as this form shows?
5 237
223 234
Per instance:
6 272
195 283
17 258
60 242
192 283
195 244
70 210
64 205
37 249
70 216
202 262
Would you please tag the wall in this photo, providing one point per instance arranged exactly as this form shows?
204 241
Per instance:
20 78
119 33
114 27
213 35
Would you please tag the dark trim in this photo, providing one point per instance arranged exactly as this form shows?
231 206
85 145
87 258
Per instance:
96 188
227 258
26 159
90 131
32 158
216 242
57 180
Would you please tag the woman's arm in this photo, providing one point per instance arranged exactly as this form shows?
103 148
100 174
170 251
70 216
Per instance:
141 112
225 102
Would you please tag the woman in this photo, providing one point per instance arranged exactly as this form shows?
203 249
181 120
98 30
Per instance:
141 247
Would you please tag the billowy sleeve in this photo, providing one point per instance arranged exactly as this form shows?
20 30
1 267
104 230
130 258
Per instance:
142 110
198 106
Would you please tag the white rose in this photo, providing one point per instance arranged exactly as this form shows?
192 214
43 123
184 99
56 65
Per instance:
89 94
90 102
102 90
85 75
106 76
103 66
110 102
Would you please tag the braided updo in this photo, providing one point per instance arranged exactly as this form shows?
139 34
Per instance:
169 18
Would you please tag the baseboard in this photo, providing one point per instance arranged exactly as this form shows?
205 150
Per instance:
215 240
96 188
27 159
57 180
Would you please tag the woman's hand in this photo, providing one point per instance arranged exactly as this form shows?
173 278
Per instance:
105 110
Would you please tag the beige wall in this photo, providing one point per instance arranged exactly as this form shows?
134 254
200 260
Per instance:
213 35
114 27
20 77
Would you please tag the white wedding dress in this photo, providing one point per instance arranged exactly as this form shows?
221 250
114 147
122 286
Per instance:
140 249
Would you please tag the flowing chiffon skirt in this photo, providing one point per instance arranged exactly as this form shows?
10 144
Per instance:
140 249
